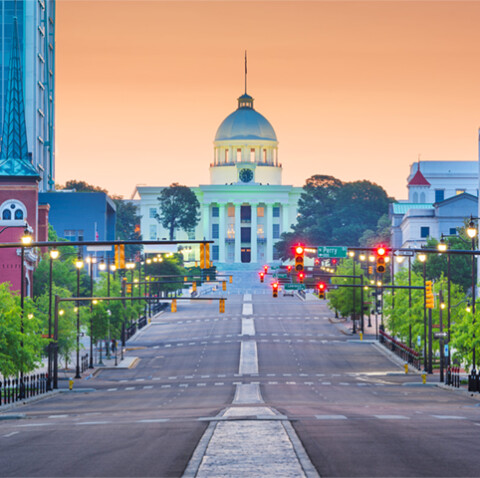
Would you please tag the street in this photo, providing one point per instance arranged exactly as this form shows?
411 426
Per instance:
265 362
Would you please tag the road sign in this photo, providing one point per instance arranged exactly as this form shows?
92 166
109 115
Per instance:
294 286
439 335
419 340
99 248
282 276
329 252
445 350
404 253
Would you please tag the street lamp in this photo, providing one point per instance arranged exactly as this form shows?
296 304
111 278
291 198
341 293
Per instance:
422 258
91 260
79 266
54 254
472 233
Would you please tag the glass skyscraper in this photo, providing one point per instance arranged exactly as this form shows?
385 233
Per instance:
36 29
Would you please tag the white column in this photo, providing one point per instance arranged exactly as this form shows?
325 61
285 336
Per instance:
285 218
237 234
269 233
206 221
221 235
253 253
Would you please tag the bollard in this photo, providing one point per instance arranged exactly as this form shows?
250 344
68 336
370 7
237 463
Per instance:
406 368
448 376
471 380
476 383
424 378
70 383
361 335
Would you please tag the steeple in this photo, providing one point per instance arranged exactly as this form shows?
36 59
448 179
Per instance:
14 157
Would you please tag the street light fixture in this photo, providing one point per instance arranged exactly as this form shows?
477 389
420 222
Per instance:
54 254
422 258
79 266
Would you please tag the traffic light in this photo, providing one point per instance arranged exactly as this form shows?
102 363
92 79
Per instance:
300 277
333 262
194 287
322 287
224 285
299 256
265 269
275 289
289 269
222 306
370 270
204 255
381 254
120 256
129 288
262 276
429 299
174 305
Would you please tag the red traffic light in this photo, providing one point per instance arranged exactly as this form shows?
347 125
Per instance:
321 286
289 268
265 268
381 251
262 274
275 285
299 250
333 262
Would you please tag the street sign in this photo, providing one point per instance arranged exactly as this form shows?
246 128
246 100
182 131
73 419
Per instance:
439 335
294 286
282 276
329 252
445 350
99 248
404 253
419 340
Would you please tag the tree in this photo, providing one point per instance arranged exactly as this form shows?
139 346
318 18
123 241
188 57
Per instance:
82 187
179 209
381 234
127 227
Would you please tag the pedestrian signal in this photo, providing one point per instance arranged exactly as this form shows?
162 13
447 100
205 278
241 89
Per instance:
299 257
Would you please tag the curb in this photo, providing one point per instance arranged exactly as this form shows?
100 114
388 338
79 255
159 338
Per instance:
27 401
461 391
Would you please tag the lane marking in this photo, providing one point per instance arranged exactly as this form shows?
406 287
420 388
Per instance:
154 420
247 309
10 434
93 423
33 425
449 417
112 389
248 327
248 358
247 297
57 416
391 417
330 417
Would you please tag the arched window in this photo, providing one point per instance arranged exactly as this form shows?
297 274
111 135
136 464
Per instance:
18 214
13 210
7 215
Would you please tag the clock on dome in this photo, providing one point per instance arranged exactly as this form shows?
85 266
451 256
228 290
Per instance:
245 175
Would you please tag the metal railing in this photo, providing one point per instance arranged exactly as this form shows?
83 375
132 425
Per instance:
17 389
400 349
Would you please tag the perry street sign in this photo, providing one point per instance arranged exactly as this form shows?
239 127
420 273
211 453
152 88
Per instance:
294 286
329 252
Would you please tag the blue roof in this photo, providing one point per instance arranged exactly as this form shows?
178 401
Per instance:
245 123
402 208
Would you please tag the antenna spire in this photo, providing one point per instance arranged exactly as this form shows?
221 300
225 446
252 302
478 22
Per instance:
245 71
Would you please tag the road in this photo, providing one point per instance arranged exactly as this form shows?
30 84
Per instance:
349 404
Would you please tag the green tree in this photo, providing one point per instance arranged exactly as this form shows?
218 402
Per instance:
127 226
171 272
20 351
179 209
341 299
81 187
380 235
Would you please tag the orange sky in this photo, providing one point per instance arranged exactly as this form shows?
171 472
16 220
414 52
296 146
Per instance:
353 89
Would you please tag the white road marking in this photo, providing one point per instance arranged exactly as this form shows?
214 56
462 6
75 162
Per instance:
146 387
57 416
391 417
248 327
154 420
166 386
247 297
33 425
93 423
247 309
130 388
218 384
201 384
248 358
330 417
112 389
10 434
449 417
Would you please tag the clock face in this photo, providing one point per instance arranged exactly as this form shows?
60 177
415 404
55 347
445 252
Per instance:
246 175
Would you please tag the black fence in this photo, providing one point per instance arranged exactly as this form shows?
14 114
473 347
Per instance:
16 389
398 348
83 363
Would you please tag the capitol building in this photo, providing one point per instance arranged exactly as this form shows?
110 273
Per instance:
245 208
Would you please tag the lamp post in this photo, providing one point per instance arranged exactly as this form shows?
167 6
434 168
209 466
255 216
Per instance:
79 266
442 247
91 260
54 254
352 256
472 233
422 258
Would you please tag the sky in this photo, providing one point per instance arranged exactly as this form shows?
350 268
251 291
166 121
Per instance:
354 89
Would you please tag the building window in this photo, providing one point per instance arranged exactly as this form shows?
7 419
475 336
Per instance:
459 191
246 234
276 254
453 231
424 232
18 214
252 155
152 212
215 253
276 231
7 215
215 211
231 211
153 232
260 231
69 234
439 195
245 213
231 231
260 211
80 235
215 233
276 211
191 234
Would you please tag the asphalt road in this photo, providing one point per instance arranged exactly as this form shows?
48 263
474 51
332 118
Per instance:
352 408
